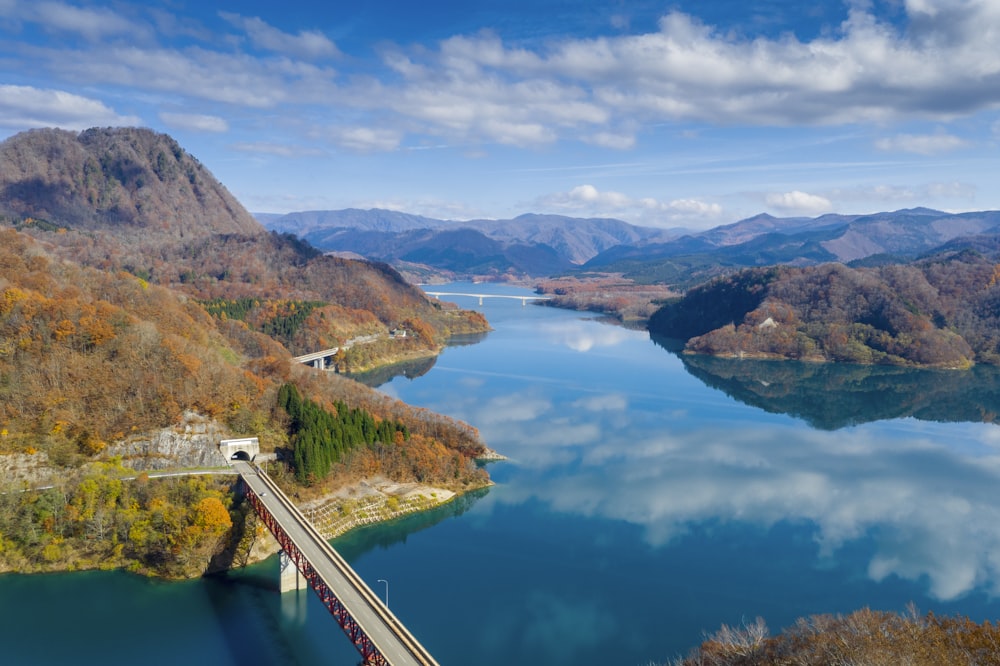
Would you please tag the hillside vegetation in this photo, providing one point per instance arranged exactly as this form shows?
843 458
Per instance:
126 199
131 299
941 312
863 637
90 358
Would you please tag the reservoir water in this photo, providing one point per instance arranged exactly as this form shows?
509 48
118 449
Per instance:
649 497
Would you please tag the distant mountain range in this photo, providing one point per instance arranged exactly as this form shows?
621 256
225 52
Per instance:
541 245
535 245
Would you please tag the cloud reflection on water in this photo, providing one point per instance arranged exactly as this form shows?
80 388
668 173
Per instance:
930 510
582 335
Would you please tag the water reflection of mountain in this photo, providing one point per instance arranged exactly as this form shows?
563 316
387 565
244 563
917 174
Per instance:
834 395
414 368
385 374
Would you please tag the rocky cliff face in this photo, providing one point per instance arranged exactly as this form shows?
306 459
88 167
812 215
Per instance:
192 443
123 179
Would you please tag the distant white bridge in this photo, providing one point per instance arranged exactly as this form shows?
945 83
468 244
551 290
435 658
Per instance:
481 297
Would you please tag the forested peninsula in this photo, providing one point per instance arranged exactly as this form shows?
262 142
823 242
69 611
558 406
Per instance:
144 316
942 311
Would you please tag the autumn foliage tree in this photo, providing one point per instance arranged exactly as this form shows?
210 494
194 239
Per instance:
863 637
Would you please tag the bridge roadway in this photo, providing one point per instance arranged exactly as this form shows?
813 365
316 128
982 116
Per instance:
393 641
523 299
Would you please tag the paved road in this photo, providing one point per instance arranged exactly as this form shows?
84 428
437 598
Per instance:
384 630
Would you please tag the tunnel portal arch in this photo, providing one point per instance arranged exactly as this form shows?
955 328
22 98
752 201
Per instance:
244 448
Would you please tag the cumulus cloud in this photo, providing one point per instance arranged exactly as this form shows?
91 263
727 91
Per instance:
799 202
194 121
587 200
921 144
480 89
24 107
866 70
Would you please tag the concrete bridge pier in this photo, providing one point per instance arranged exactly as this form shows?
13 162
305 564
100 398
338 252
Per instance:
291 578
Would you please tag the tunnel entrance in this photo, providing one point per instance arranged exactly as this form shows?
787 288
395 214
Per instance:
245 448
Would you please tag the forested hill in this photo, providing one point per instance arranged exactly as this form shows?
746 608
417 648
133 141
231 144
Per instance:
93 362
127 179
138 297
943 311
126 199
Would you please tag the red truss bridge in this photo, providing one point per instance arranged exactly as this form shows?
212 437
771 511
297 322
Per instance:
378 635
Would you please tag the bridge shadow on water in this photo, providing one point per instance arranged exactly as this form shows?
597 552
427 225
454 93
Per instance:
249 610
253 616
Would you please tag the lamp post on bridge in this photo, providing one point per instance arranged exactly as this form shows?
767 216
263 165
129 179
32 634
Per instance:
380 580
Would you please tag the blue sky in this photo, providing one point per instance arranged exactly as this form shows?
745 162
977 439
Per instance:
686 113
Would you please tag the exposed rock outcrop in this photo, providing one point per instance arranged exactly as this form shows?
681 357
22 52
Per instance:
192 443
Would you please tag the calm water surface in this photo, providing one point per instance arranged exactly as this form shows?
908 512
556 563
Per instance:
648 499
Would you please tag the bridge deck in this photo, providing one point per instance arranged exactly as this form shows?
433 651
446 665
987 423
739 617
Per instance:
306 358
386 632
439 294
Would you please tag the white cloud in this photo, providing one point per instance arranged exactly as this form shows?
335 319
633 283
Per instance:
921 144
480 89
366 139
276 149
23 107
613 140
92 23
305 44
587 200
200 73
195 121
797 201
923 194
867 70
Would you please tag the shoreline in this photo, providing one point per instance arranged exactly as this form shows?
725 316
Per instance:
361 503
